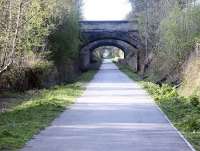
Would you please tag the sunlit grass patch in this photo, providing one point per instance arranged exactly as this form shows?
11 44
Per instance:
19 123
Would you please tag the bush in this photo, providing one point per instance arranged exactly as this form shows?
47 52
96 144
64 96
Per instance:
192 123
194 100
160 93
151 87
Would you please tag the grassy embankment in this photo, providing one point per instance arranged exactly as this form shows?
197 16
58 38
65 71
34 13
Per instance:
184 112
32 113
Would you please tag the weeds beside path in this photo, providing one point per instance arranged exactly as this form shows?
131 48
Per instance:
184 112
21 121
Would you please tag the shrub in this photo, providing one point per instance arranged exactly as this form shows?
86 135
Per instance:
161 93
151 87
192 123
194 100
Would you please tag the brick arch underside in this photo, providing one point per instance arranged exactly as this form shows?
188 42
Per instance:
130 37
124 46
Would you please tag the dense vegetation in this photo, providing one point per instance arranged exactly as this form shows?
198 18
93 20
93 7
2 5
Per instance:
33 35
169 30
184 112
20 122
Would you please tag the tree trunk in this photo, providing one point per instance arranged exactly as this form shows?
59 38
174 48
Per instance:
13 48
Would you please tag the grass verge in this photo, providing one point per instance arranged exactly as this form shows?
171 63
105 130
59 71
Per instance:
20 122
184 112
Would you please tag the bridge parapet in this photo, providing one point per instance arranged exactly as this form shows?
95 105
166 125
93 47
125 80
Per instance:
87 26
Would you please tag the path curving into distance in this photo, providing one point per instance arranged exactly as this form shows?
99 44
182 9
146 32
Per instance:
114 114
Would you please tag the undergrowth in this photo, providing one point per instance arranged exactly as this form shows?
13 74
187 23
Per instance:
19 123
184 112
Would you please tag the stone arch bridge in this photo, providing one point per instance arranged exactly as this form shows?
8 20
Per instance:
121 34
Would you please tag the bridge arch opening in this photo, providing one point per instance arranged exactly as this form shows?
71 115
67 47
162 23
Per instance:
107 52
86 53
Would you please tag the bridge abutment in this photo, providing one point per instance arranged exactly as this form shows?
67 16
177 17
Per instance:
85 58
133 61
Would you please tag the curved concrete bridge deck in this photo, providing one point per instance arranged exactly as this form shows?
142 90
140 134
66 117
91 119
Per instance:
114 114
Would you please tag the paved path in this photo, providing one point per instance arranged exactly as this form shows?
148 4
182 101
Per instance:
114 114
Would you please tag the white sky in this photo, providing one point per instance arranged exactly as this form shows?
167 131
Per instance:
105 9
198 1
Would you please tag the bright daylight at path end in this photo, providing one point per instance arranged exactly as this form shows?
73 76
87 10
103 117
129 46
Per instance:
100 75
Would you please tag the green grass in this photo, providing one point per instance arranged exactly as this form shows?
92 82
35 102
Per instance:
20 122
184 112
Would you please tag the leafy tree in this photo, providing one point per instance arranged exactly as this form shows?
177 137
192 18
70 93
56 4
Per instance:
65 40
25 27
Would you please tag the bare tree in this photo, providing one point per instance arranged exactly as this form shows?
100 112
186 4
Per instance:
11 31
